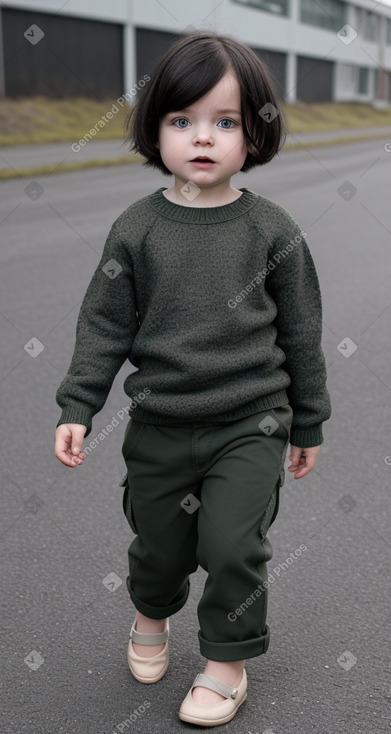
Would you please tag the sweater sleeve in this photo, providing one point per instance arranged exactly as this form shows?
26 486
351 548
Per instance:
294 286
106 327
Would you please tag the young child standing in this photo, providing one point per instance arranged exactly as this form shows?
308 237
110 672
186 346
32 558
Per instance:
212 293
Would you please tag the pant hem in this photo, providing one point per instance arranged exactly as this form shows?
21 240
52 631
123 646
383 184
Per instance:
227 651
153 611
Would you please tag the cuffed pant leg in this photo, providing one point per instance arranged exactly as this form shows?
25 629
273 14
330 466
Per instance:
163 553
239 500
238 623
153 610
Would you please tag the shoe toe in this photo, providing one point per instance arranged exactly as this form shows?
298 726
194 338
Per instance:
212 714
148 669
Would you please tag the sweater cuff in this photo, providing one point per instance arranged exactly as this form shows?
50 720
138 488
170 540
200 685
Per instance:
307 437
77 414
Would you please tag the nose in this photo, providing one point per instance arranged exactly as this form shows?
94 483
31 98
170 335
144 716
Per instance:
203 135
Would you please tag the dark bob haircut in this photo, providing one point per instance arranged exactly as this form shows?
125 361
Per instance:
190 68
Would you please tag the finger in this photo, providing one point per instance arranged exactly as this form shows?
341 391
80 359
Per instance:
295 454
303 471
77 441
63 446
298 463
62 451
78 460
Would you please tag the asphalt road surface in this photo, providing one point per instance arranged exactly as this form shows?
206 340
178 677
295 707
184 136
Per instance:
16 157
64 537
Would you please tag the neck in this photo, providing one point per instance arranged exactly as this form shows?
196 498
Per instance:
186 193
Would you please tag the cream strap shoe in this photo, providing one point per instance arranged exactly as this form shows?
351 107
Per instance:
212 714
150 669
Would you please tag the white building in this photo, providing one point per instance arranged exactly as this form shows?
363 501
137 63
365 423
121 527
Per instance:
317 50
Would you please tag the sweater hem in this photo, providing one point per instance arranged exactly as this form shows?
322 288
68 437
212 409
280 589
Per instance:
264 402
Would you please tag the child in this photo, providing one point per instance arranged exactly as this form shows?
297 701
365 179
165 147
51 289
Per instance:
212 293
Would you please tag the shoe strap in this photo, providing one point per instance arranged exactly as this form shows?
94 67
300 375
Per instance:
148 638
209 681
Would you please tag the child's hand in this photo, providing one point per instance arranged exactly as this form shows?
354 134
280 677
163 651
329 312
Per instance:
68 443
303 460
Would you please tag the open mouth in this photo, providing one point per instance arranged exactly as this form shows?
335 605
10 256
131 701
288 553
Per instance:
202 159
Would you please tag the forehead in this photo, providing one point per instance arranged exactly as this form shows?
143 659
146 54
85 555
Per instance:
226 90
223 97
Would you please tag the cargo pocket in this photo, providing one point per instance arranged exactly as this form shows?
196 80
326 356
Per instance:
271 511
284 416
133 432
127 505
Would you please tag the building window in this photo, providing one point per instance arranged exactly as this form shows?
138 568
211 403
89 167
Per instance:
367 25
388 38
330 14
277 7
348 78
363 80
354 79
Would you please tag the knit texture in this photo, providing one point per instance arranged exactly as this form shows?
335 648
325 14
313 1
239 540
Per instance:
218 308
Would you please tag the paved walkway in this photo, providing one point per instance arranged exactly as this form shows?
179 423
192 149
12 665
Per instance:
63 534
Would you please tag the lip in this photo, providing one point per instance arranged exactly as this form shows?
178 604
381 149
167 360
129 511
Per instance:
202 157
202 163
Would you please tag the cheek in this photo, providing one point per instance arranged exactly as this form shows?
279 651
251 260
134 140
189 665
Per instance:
242 149
239 147
167 144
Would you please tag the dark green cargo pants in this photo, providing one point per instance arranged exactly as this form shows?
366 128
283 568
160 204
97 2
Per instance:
206 494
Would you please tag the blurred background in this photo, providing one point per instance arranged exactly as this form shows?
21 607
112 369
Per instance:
69 73
65 67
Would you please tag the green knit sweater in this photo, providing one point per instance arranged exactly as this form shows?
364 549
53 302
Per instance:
218 309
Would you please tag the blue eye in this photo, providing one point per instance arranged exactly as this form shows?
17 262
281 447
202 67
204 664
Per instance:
232 123
226 119
179 119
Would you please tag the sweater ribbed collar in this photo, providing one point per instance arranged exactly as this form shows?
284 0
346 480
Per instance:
203 215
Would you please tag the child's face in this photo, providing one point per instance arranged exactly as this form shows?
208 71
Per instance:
209 127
